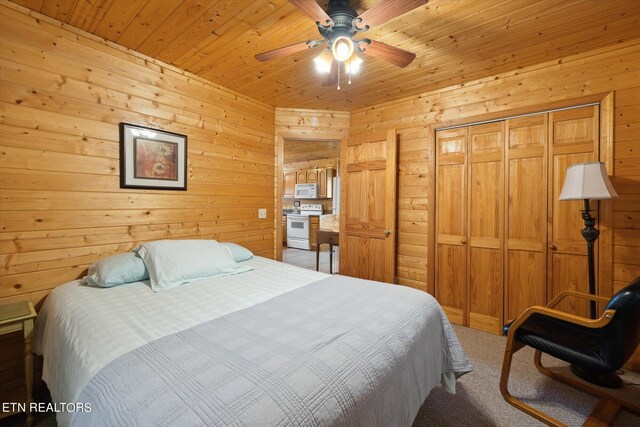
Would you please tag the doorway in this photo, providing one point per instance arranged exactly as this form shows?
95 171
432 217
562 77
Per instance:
311 167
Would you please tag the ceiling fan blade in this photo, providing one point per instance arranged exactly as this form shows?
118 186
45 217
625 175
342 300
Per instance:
283 51
312 10
386 10
332 77
394 55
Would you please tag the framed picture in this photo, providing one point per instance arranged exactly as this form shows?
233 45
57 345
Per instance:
152 158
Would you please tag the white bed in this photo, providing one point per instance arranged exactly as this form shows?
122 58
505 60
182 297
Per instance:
81 330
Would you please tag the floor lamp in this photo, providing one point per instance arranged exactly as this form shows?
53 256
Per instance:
589 181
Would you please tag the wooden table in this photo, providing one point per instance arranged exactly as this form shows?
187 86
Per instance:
333 239
15 317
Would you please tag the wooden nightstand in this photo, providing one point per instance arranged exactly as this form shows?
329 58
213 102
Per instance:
14 317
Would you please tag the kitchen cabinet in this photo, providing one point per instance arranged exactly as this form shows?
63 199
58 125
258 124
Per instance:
322 176
289 183
325 181
314 222
312 176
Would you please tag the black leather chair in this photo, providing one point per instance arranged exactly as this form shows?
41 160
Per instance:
596 348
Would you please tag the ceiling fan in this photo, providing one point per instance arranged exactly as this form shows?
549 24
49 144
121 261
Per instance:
337 26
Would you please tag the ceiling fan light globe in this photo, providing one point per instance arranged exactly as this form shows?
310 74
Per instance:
323 62
322 67
342 48
353 64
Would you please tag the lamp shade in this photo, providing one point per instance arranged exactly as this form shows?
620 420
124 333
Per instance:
587 181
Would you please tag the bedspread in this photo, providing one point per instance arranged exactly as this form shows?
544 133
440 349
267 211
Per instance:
339 351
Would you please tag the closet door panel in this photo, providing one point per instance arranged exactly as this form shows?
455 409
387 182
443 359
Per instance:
451 223
526 218
485 219
485 289
574 138
570 272
527 281
452 271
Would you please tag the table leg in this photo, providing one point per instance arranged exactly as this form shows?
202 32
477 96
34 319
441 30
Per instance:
318 257
330 259
28 368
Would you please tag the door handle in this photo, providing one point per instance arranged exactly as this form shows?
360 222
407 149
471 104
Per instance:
463 241
387 232
553 247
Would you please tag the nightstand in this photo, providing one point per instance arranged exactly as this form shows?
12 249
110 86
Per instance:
15 317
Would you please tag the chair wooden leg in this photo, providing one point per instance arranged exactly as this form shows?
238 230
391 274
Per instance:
601 393
511 347
603 415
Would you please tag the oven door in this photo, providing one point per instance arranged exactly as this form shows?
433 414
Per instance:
298 231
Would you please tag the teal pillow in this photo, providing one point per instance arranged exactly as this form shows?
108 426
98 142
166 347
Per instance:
239 253
116 270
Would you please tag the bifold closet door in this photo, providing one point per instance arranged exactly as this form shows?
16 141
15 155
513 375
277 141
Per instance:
573 138
451 222
485 224
526 214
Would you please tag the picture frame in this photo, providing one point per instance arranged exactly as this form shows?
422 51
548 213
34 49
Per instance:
152 158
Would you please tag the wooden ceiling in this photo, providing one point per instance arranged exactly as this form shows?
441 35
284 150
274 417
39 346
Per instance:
456 41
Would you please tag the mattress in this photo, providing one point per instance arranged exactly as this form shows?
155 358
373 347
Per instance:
84 332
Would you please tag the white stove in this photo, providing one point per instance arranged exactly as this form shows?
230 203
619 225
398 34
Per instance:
311 209
298 226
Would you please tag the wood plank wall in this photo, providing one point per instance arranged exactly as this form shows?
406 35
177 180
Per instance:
301 123
63 94
614 69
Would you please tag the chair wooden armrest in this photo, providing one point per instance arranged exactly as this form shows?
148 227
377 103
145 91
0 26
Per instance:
557 314
582 295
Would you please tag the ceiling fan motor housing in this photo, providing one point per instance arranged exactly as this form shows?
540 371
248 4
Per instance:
342 16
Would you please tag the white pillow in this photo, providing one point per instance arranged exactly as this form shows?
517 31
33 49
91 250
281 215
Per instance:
116 270
172 263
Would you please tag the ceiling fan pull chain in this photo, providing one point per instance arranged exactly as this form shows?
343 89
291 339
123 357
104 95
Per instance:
339 66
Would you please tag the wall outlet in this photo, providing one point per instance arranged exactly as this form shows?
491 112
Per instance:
262 213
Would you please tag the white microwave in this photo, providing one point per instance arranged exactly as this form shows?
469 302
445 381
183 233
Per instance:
306 191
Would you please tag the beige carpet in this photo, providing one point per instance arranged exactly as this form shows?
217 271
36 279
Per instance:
478 401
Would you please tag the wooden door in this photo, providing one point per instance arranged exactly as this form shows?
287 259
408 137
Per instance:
322 183
451 222
573 137
312 176
301 177
289 184
368 206
485 224
526 214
